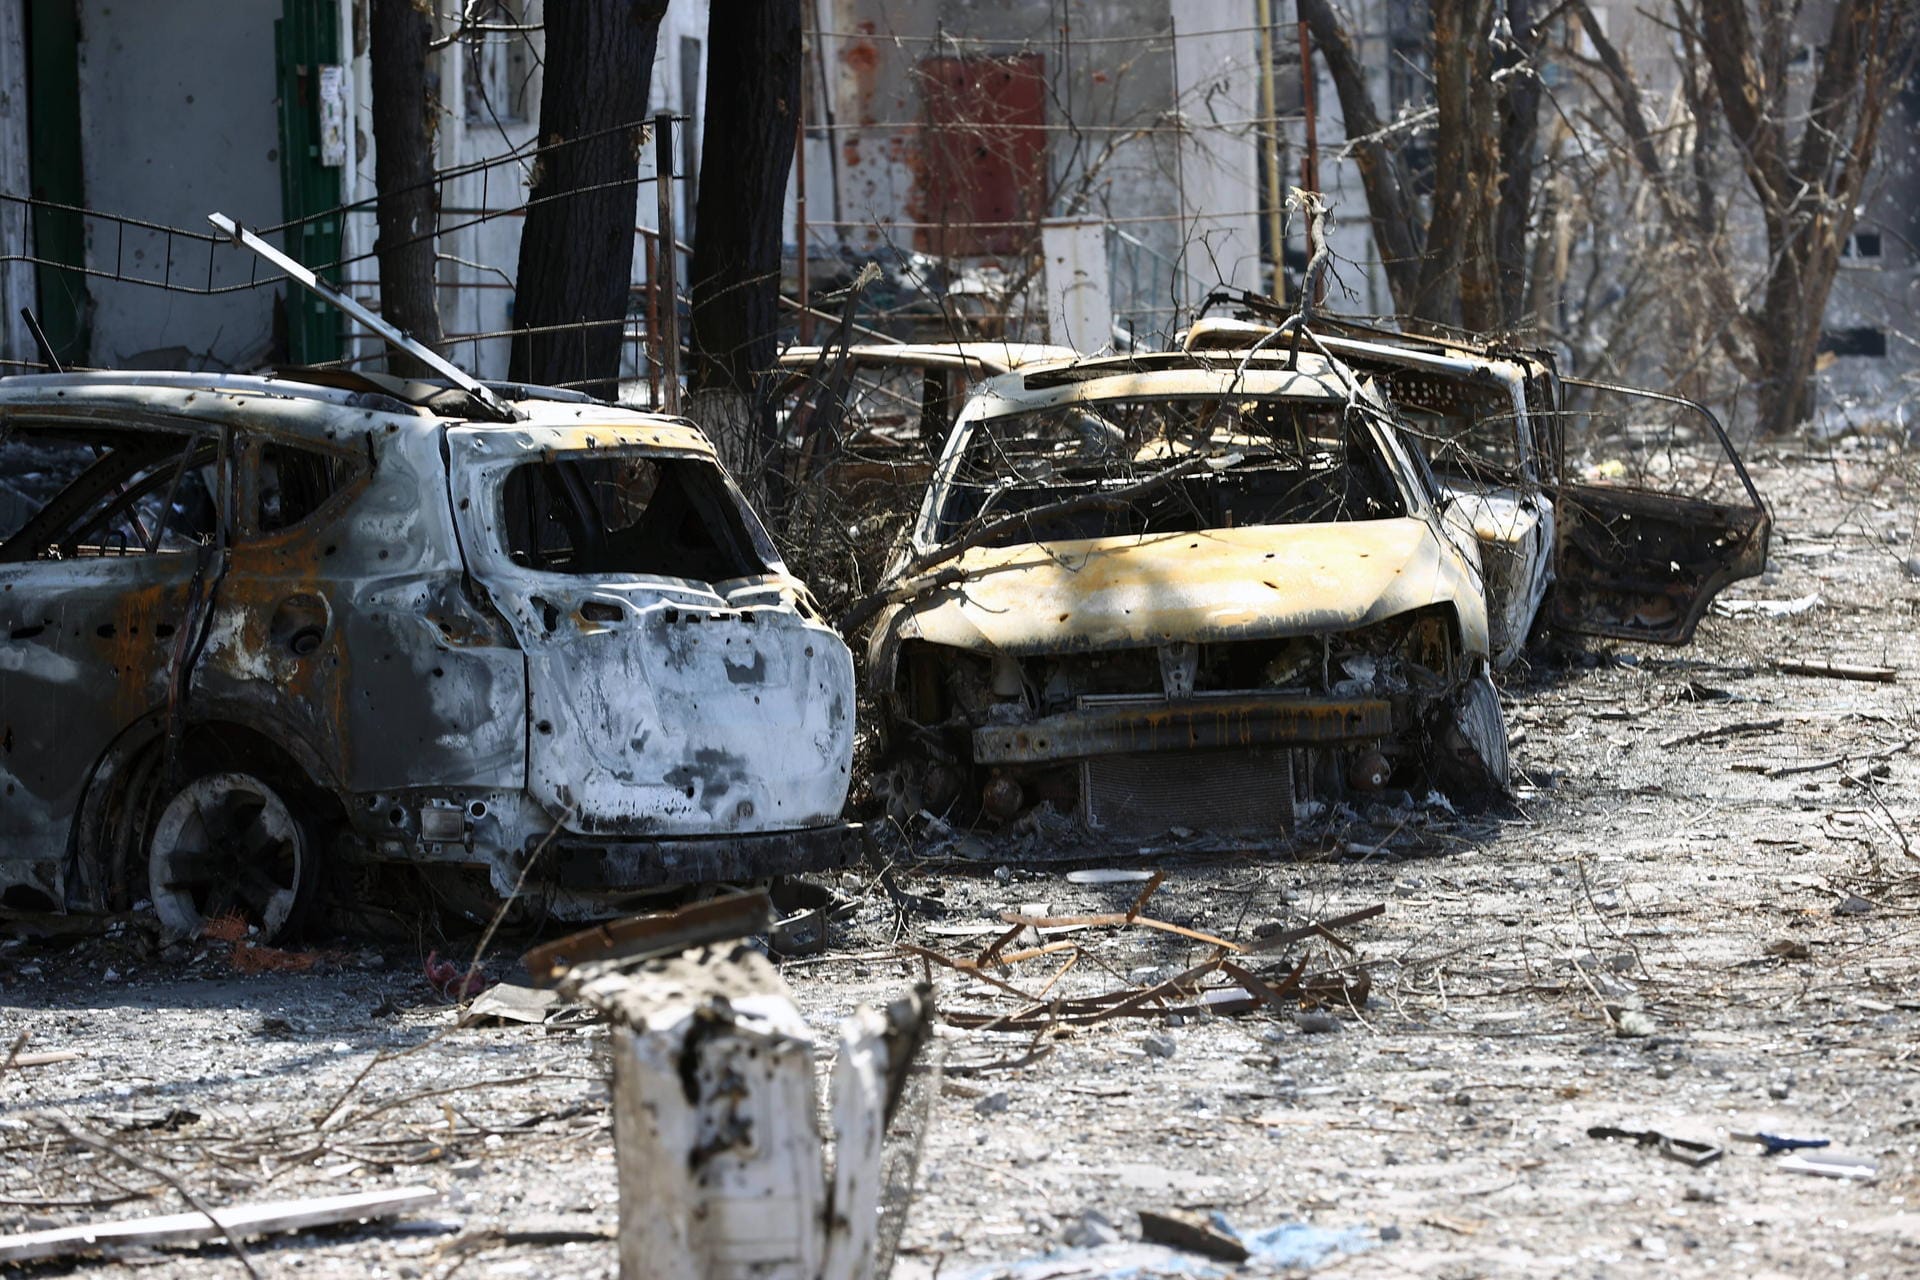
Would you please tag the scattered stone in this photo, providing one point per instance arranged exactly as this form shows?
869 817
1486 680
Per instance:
1158 1046
1633 1024
993 1104
1853 905
1316 1023
1091 1231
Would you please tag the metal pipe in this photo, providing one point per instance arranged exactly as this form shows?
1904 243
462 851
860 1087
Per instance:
1310 156
652 243
1276 243
669 266
800 200
298 272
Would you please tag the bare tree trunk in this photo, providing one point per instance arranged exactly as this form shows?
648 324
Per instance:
576 248
1808 194
1519 133
1390 201
403 127
753 101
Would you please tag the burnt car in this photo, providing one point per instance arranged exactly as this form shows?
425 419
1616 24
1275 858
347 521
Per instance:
1546 502
1599 509
259 631
1163 590
881 410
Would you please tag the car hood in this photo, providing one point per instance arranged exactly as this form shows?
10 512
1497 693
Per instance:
1215 585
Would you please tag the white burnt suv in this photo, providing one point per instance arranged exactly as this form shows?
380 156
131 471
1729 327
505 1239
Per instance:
250 626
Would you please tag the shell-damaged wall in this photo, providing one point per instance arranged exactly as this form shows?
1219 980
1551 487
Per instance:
1131 119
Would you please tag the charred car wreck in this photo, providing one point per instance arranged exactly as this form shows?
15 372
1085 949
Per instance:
250 627
1168 591
1219 586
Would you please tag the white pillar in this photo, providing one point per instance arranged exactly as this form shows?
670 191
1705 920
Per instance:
1079 290
1216 75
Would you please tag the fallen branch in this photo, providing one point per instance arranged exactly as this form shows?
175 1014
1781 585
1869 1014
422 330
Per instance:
1838 671
1834 762
1318 928
198 1225
1101 921
1723 731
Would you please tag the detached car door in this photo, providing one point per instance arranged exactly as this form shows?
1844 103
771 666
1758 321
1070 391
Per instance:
1656 515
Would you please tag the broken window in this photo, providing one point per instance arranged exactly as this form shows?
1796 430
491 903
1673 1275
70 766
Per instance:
628 516
79 492
1277 461
295 483
1863 341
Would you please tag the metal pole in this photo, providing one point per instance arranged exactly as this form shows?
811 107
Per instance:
1310 157
800 200
1276 242
668 257
298 272
652 242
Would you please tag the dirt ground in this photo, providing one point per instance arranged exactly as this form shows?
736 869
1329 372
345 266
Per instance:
1699 916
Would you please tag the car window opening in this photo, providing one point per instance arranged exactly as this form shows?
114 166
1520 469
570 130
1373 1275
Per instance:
1283 462
654 517
295 483
108 492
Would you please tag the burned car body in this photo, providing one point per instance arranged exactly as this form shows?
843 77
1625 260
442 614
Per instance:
250 624
1164 590
1599 509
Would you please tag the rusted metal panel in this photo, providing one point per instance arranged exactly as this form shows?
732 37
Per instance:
1198 725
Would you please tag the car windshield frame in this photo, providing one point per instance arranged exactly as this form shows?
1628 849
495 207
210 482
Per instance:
1364 417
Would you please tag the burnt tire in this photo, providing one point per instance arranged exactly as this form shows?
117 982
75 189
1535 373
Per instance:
1473 742
231 842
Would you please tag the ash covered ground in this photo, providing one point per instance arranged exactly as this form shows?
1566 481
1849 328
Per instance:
1698 917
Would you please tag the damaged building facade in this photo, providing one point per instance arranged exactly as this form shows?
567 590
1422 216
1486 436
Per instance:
160 113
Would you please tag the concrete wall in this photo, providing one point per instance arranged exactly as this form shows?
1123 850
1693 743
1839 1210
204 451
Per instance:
177 119
16 278
1149 126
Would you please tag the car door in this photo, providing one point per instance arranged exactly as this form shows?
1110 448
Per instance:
117 521
1655 515
1472 419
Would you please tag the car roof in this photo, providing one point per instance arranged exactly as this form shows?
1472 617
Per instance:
997 357
297 405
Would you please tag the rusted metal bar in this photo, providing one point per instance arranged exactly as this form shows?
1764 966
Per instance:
652 241
659 933
1190 726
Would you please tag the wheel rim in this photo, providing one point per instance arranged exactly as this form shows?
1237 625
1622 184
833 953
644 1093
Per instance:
226 843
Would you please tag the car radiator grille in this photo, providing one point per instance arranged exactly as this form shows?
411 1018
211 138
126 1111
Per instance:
1215 791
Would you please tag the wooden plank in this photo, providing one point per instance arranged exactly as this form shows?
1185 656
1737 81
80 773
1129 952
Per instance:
45 1059
194 1228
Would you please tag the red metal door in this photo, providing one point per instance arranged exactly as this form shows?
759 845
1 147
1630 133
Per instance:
983 176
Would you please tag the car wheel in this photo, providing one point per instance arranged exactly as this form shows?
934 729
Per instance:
228 843
1475 739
